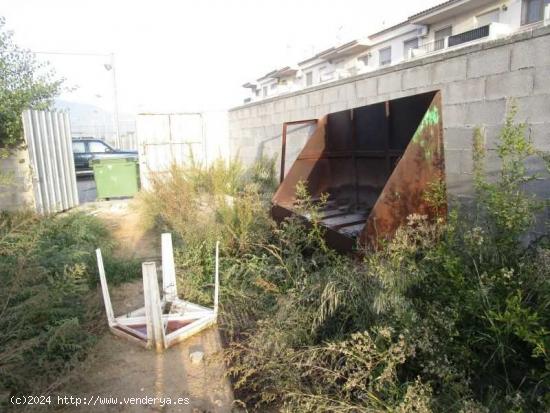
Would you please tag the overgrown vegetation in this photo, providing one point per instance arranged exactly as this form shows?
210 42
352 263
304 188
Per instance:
48 307
25 83
451 316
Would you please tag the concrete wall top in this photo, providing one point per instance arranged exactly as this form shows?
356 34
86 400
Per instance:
477 83
459 51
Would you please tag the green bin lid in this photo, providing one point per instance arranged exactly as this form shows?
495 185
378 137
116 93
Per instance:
106 161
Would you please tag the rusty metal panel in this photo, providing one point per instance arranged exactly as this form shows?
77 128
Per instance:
422 164
308 167
339 130
374 162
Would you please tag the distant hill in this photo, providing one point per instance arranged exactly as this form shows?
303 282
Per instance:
91 120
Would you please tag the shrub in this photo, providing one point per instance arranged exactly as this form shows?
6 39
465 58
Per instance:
47 315
201 205
508 212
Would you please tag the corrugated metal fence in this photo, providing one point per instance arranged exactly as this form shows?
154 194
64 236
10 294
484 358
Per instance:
48 138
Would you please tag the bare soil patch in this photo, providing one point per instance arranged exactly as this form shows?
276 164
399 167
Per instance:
119 369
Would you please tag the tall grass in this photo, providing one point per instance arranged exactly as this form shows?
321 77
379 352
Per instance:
450 316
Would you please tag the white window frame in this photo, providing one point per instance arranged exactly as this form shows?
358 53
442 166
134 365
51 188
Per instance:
524 11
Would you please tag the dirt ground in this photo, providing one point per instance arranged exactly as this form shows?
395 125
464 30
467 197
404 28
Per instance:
119 369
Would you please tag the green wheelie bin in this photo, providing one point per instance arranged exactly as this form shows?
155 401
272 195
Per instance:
116 177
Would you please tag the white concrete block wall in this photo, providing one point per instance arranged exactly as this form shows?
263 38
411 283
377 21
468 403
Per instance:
476 83
16 190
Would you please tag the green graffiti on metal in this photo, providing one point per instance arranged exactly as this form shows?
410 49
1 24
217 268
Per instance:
430 118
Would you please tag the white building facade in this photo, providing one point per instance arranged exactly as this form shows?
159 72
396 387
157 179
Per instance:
450 25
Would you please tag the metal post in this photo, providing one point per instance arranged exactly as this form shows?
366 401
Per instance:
355 144
153 313
217 279
115 101
105 289
283 154
168 269
387 140
283 150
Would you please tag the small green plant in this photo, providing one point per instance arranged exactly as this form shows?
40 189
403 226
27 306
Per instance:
509 210
263 174
436 197
118 270
546 158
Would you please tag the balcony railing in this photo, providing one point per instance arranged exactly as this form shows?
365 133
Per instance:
492 30
427 48
469 36
439 44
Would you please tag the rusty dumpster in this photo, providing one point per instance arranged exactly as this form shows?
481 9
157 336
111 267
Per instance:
374 163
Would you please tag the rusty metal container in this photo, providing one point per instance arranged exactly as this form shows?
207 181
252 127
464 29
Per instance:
374 162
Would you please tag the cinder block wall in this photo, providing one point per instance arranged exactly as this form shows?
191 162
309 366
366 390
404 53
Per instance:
476 82
16 189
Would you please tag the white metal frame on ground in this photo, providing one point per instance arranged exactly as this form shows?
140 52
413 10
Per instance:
165 321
